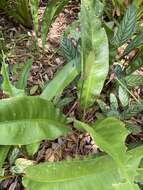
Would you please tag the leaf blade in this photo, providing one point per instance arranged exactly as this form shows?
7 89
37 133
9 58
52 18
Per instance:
23 122
94 57
62 79
126 28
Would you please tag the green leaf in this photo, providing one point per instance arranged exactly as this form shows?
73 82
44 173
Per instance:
27 120
94 57
123 96
62 79
134 80
7 87
126 28
140 171
96 6
64 101
99 173
109 134
19 10
14 155
125 186
52 10
134 109
3 154
70 51
103 106
113 102
32 148
34 12
136 42
22 82
135 64
86 174
134 129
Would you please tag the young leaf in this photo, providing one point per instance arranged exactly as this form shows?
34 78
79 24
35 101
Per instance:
22 82
27 120
94 57
62 79
52 10
126 28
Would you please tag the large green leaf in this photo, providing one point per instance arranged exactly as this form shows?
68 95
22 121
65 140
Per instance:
72 175
99 173
62 79
94 56
53 8
27 120
109 134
